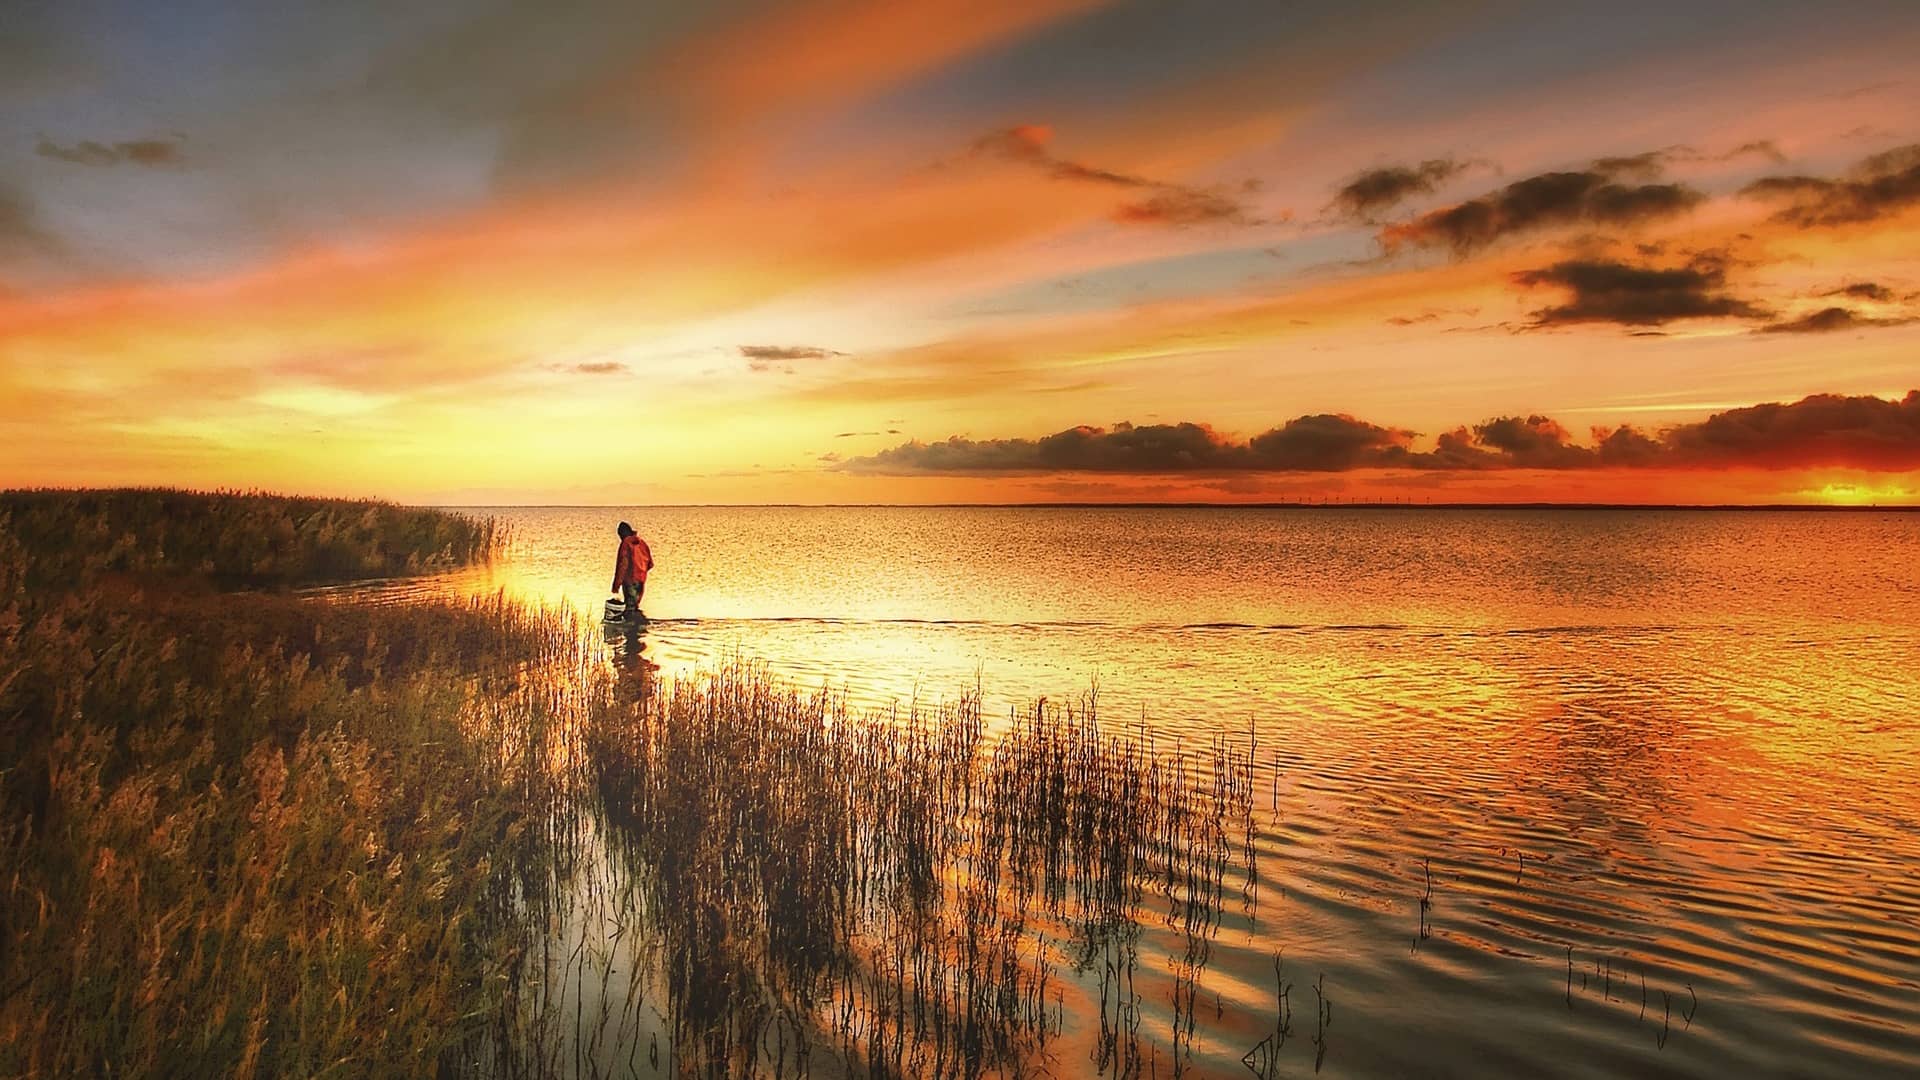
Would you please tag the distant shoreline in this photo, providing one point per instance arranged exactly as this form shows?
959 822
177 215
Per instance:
1821 508
336 500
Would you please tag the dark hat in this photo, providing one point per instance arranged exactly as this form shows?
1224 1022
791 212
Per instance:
625 529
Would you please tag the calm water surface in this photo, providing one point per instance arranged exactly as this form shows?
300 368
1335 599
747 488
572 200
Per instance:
1679 747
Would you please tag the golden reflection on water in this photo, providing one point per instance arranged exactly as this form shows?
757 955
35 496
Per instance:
1671 747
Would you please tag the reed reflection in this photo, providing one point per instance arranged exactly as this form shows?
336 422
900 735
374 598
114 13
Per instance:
892 890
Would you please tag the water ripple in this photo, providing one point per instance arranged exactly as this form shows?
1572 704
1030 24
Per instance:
1659 750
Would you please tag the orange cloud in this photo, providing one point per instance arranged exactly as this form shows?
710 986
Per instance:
742 78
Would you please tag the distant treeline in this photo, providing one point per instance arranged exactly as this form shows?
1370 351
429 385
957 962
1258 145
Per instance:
68 538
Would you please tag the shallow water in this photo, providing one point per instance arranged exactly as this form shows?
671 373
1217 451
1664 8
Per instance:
1673 746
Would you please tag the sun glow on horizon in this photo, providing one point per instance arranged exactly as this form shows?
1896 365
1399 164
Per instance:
1857 494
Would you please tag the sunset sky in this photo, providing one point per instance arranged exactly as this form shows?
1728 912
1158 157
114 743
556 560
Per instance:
626 252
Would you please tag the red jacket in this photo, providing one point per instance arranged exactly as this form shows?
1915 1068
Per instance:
630 566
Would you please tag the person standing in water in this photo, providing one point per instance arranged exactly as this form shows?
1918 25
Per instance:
630 566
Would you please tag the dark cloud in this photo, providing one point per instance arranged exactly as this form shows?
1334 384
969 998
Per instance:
600 367
1625 447
1861 432
1520 442
1863 290
786 352
1321 443
1765 148
1536 442
1652 163
1327 442
1430 315
1166 204
1549 200
1153 448
1126 448
1876 187
1645 166
781 357
1183 206
1867 131
1375 191
1613 292
148 152
1831 319
1824 430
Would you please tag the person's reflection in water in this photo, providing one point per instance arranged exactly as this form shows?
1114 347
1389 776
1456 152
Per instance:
635 672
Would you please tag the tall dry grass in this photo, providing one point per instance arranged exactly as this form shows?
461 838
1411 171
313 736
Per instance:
255 835
252 539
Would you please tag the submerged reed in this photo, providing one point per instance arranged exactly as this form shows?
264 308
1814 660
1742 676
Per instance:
895 887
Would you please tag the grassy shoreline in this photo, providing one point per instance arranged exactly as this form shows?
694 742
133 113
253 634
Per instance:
233 539
250 834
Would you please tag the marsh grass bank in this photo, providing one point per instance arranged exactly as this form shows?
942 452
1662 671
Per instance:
251 833
230 539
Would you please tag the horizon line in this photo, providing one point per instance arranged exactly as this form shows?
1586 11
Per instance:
1068 505
1055 504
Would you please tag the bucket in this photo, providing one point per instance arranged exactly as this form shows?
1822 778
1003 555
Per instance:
616 610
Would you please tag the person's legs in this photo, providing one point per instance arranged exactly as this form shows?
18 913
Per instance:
631 594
